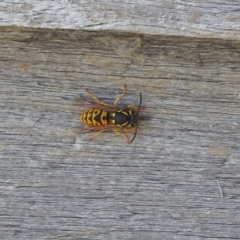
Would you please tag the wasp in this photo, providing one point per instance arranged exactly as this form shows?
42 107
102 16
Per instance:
102 116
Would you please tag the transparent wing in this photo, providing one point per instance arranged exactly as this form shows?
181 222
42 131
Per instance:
87 129
83 102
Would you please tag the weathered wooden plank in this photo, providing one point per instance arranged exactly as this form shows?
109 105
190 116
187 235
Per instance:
178 180
202 19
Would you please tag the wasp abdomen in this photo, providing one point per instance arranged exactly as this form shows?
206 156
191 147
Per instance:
95 117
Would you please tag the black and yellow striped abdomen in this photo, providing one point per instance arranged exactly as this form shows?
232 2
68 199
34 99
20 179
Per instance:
94 117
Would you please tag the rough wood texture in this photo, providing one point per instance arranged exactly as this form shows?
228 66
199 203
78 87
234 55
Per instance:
202 19
178 180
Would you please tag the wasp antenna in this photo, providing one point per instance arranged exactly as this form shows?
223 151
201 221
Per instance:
139 106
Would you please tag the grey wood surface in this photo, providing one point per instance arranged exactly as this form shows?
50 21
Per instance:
202 19
179 179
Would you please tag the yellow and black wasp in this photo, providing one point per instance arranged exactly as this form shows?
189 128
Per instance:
102 116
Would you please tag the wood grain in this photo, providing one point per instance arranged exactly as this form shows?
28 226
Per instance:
202 19
179 179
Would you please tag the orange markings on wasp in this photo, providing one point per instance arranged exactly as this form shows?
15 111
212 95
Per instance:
102 116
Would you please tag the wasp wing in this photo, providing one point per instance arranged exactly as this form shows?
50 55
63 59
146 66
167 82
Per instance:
83 102
87 129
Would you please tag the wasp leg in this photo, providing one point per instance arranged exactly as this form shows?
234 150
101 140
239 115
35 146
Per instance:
135 107
96 99
123 93
131 128
96 135
121 135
